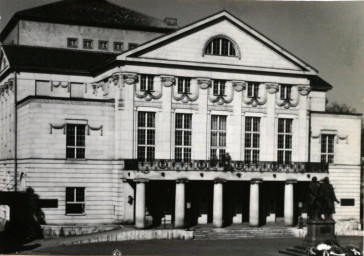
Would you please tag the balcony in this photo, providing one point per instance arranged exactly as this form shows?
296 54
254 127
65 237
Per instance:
218 166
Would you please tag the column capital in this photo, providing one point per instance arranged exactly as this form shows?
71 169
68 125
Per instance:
219 180
140 180
292 181
182 180
256 181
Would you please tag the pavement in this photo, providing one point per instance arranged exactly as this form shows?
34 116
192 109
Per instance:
251 247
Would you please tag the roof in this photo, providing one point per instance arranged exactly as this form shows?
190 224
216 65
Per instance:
57 60
150 45
98 13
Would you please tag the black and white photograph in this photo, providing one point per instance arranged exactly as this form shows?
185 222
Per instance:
181 127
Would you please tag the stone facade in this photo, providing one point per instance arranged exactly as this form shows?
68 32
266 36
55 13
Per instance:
119 187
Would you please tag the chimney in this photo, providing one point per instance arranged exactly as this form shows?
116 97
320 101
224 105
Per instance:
170 21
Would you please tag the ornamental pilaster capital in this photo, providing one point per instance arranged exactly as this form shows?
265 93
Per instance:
256 181
130 78
238 85
272 87
204 83
219 180
182 180
304 89
167 81
116 78
291 181
141 180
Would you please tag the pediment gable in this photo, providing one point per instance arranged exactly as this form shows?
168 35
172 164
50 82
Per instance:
4 61
189 43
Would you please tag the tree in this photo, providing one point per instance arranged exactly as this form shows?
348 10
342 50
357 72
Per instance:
335 107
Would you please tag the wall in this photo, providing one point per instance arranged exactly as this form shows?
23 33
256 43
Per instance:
55 35
13 37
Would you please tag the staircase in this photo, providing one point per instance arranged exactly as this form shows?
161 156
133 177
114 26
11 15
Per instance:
298 250
209 233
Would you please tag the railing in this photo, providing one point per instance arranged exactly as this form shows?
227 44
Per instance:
231 166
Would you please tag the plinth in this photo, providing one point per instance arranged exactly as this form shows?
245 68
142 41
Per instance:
319 231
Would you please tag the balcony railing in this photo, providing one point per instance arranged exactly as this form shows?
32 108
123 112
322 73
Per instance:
232 166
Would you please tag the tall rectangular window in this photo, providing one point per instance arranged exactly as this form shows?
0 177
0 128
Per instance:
184 85
218 136
183 137
146 82
284 140
252 139
146 136
75 200
253 90
327 148
219 87
286 92
75 141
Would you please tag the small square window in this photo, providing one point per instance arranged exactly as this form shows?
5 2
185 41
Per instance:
103 45
132 46
118 46
72 42
87 44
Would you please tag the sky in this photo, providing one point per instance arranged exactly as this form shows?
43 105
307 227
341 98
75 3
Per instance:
327 35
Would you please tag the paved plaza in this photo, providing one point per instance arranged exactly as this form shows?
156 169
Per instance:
251 247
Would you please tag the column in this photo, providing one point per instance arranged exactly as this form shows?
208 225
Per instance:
254 202
288 202
179 212
218 203
140 203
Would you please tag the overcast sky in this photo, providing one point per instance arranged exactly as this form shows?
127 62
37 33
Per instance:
327 35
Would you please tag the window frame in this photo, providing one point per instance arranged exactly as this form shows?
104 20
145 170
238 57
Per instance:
186 135
146 83
118 43
286 151
218 87
148 146
75 202
88 41
329 157
253 89
216 151
76 147
218 50
184 85
286 92
103 42
70 45
132 46
250 151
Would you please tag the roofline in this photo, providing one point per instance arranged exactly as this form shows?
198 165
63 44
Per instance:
335 113
15 19
253 32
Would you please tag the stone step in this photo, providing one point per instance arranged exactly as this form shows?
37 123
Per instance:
291 253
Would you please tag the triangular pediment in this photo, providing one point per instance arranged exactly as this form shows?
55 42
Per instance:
4 61
188 45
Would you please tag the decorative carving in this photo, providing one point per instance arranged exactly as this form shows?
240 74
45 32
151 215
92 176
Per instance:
222 98
6 87
95 129
2 90
130 78
239 85
185 97
57 126
304 89
204 83
168 81
149 94
57 84
95 87
256 100
272 87
288 102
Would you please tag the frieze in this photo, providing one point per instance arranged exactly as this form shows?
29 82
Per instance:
148 104
220 108
62 84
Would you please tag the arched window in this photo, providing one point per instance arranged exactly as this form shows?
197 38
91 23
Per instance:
221 46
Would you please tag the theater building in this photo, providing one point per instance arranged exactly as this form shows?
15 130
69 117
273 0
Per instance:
121 117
